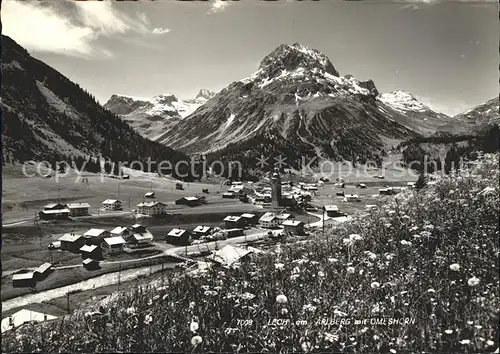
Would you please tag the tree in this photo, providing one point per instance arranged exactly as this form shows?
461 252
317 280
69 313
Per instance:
421 182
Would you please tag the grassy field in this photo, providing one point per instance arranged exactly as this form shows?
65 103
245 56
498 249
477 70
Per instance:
430 258
24 197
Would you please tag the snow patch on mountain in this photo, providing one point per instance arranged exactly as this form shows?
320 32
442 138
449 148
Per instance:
403 102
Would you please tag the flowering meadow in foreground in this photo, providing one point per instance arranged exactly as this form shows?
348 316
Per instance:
430 256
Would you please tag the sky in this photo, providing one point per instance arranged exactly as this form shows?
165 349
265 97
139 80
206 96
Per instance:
445 52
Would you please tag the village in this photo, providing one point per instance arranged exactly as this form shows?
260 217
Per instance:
184 233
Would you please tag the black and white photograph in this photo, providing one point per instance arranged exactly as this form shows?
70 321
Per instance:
250 176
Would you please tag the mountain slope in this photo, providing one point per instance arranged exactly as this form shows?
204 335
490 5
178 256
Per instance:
298 94
419 117
483 116
152 117
45 114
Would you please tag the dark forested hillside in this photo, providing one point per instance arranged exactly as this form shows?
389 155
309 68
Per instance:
45 114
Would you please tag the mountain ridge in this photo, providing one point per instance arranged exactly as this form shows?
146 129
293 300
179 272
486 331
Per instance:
297 92
45 115
151 117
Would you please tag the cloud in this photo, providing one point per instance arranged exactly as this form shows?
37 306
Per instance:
218 6
159 30
70 28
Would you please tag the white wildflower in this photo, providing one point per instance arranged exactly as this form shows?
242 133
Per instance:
130 310
455 267
306 346
473 281
464 341
193 327
279 266
351 270
375 285
281 299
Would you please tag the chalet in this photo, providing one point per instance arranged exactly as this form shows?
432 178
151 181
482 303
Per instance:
269 220
23 280
149 195
138 228
24 316
114 244
43 271
71 242
188 201
331 210
288 200
55 214
340 194
396 190
385 191
250 219
78 209
236 188
370 206
121 231
262 198
229 255
179 237
90 264
295 227
411 185
91 251
233 222
351 198
284 216
234 232
95 236
339 185
152 208
361 185
112 204
309 187
229 195
54 206
201 230
141 239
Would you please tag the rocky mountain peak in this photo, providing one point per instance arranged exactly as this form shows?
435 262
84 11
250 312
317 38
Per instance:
292 57
205 94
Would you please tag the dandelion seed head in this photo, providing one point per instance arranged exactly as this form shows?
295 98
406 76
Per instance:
196 340
281 299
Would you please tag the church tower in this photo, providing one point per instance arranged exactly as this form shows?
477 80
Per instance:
276 189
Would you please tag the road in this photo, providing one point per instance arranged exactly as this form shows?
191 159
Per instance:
89 284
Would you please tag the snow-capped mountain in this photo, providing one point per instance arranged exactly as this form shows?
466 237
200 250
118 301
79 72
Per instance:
295 100
403 102
482 116
45 115
419 117
204 95
151 117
